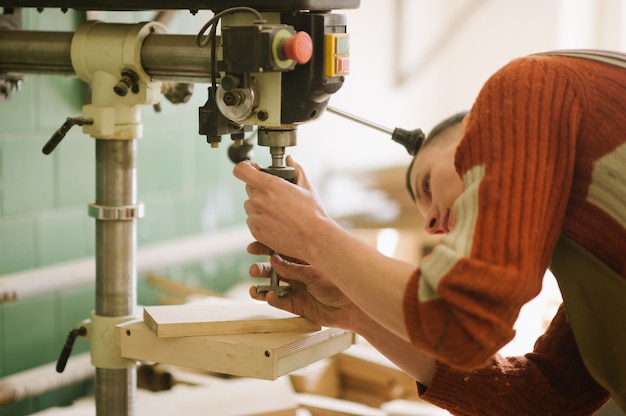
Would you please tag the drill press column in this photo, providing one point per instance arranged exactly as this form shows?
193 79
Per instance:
116 241
107 56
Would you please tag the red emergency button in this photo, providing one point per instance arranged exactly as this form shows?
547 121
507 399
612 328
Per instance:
299 48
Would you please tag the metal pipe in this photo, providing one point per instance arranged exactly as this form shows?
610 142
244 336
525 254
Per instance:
116 391
40 52
175 57
163 56
116 291
116 239
359 120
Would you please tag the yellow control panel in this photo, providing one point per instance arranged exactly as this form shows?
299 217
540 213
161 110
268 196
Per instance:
337 54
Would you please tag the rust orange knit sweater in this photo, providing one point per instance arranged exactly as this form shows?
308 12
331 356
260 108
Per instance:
535 142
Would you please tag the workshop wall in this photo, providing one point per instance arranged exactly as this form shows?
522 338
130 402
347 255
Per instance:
186 186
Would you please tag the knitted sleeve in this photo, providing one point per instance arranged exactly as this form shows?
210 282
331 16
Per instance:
516 160
551 380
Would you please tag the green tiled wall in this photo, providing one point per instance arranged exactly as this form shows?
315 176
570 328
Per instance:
24 169
186 186
28 325
17 243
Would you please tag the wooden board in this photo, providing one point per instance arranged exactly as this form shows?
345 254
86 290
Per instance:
263 356
215 316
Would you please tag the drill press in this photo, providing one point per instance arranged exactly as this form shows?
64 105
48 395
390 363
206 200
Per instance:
260 75
294 63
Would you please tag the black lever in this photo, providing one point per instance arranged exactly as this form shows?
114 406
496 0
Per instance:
412 140
62 131
67 348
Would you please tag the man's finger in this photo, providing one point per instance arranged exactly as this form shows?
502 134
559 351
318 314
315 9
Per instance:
259 249
251 175
246 172
280 302
300 176
260 269
257 295
292 271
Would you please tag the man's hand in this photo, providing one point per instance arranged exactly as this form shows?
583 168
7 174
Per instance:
281 215
313 295
316 298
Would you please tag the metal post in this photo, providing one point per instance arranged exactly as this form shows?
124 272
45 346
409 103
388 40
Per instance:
116 237
119 88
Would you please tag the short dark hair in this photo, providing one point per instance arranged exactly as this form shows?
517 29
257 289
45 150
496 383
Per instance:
437 131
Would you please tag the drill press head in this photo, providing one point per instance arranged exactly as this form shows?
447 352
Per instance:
273 74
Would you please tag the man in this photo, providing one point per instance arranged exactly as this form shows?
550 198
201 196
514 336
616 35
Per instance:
540 157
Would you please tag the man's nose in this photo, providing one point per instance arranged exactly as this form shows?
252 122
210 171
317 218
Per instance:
432 223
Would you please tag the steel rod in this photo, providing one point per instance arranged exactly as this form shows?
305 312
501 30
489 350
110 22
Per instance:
116 247
163 56
116 391
359 120
36 52
174 57
115 239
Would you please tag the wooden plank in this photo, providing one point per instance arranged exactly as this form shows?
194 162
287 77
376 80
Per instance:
263 356
216 316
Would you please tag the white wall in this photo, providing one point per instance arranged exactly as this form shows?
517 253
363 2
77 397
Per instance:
442 51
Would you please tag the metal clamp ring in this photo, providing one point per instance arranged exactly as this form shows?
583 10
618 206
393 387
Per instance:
121 212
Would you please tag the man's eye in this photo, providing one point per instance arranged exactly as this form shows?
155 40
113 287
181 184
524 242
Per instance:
426 186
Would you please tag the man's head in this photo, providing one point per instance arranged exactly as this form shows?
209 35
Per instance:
432 180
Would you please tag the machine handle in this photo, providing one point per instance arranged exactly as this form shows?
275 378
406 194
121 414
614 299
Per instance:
412 140
62 131
67 348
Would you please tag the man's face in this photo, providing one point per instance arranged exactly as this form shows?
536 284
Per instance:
435 182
